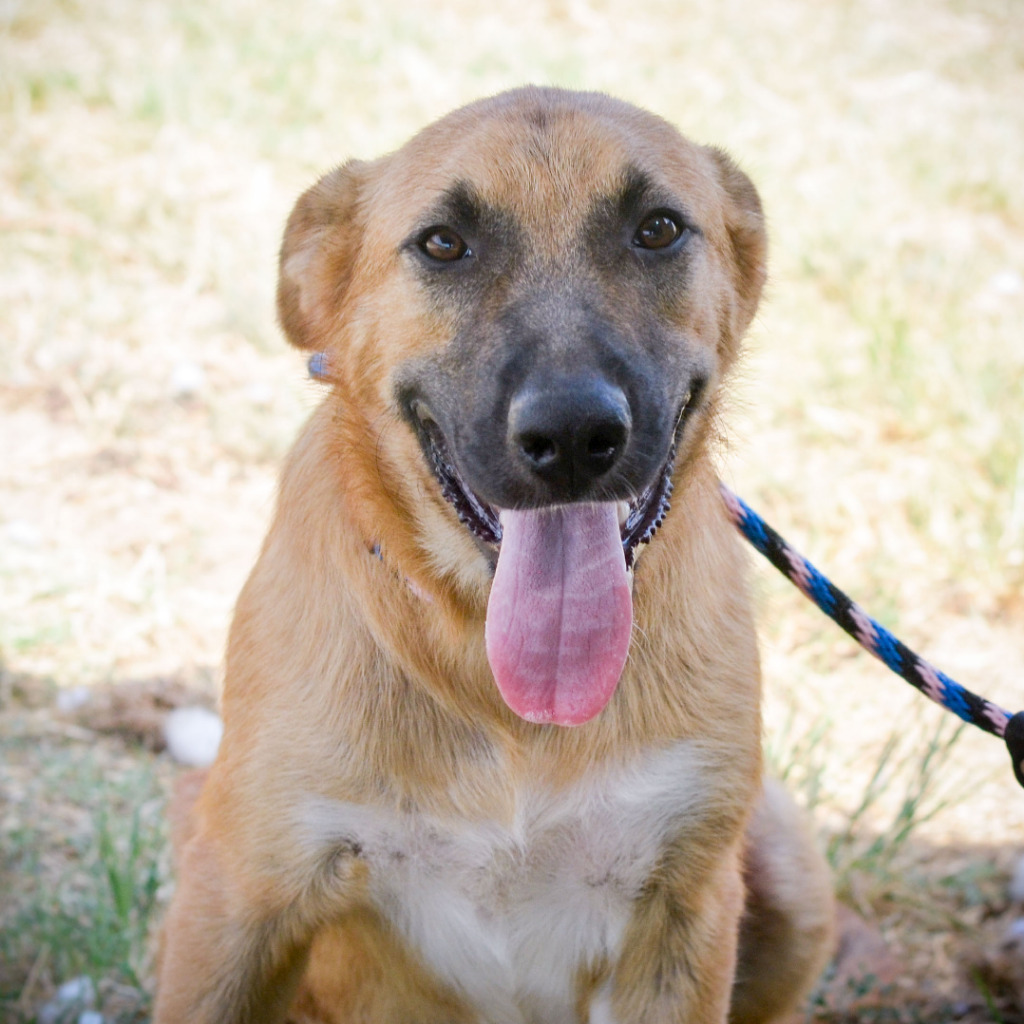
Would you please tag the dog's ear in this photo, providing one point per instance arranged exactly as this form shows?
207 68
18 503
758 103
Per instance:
744 221
321 243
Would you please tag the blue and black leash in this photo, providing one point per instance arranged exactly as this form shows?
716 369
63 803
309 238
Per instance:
875 638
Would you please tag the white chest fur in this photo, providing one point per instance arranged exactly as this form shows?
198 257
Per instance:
509 915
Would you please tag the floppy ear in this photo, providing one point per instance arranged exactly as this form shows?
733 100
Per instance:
321 242
744 222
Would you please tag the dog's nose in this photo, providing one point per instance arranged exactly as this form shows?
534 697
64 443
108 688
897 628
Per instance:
569 432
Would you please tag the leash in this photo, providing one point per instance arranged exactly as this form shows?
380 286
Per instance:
875 638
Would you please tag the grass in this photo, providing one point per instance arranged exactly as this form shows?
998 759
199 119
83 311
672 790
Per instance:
908 786
920 771
151 152
83 862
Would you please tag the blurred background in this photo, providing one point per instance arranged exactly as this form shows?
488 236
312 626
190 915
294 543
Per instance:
150 153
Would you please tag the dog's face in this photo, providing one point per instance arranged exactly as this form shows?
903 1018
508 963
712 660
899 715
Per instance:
530 308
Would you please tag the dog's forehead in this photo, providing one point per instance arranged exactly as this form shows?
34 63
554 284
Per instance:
541 155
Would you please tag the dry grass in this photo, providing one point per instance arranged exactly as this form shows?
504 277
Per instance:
150 154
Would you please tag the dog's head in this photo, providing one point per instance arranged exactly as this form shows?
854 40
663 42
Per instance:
528 310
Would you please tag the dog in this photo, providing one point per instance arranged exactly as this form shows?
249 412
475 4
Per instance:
492 734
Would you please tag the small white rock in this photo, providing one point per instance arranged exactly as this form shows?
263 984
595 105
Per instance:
193 735
24 534
91 1017
1006 282
260 393
188 379
1017 882
76 994
73 698
78 990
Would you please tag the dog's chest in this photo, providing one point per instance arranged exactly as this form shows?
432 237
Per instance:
511 915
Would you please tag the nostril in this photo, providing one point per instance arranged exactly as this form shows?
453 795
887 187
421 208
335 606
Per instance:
604 443
539 450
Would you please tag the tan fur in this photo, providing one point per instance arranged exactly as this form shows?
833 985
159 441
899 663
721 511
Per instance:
358 682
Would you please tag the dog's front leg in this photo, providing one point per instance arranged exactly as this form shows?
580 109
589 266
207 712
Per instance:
236 940
679 953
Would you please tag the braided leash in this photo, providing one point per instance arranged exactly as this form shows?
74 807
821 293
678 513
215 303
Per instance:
875 638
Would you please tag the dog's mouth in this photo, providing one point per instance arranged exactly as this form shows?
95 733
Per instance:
638 518
560 609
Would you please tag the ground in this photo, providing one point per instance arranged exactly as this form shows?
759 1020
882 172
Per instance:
151 153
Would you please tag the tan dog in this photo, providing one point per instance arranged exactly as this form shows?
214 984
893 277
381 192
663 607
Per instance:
483 760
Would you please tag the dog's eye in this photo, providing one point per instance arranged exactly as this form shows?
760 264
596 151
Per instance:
444 245
658 231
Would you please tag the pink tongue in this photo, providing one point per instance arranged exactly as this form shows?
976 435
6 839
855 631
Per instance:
560 612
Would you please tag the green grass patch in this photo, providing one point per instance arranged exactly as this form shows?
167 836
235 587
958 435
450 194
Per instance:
82 869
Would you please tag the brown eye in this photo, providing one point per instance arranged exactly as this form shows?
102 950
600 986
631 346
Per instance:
658 231
443 244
